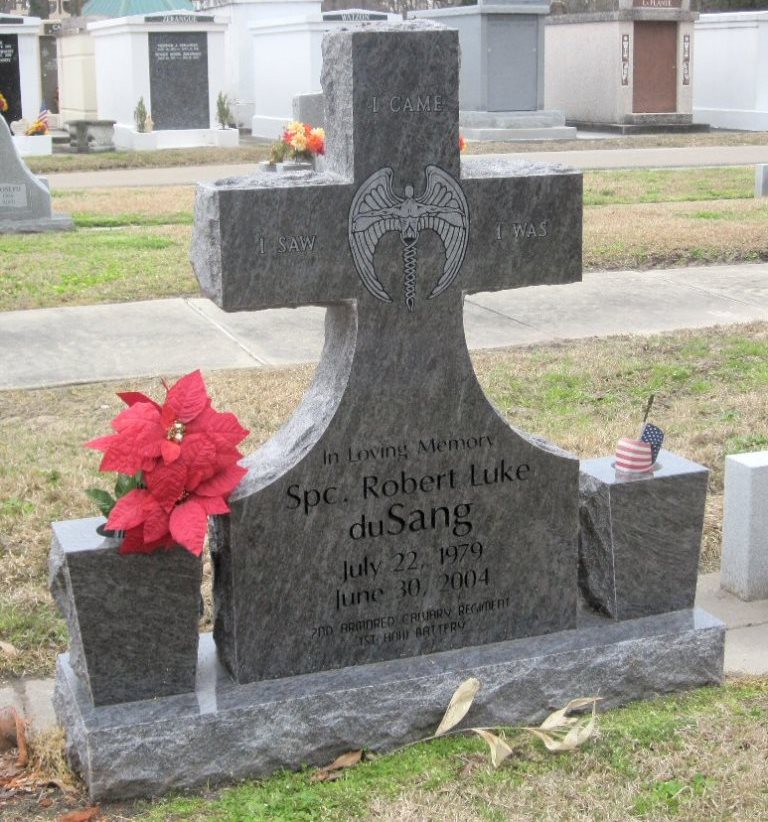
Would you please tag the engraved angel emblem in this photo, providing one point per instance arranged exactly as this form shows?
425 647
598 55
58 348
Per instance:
376 209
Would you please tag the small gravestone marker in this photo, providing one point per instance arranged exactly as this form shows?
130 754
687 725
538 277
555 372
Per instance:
397 513
25 202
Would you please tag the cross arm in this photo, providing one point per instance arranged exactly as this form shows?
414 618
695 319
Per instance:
526 224
273 240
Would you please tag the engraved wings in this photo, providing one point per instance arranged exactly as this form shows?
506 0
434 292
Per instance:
376 209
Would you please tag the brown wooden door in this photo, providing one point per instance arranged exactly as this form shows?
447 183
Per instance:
655 68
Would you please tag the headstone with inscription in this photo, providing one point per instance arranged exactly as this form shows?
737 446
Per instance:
397 535
25 201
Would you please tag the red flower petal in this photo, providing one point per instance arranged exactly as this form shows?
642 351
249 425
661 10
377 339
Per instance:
223 483
198 453
170 451
156 524
129 511
101 443
132 397
189 525
188 397
167 483
213 505
223 428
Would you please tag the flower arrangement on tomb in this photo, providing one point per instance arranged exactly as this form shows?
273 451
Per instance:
3 103
223 110
140 116
462 142
300 141
40 125
177 463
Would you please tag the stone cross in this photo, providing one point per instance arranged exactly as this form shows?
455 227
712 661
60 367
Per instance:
396 513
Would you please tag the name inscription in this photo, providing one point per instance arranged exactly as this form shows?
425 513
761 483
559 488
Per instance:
13 196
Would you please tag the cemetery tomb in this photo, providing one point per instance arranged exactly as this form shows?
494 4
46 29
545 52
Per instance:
501 89
730 67
626 64
301 37
20 66
397 536
175 62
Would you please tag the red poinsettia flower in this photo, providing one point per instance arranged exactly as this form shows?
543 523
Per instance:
147 432
187 455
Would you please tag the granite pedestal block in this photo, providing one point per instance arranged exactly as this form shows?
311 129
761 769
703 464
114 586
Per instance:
744 565
640 536
132 618
226 731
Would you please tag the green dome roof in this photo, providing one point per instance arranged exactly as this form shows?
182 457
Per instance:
126 8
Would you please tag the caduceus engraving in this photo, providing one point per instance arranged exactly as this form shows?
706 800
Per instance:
376 209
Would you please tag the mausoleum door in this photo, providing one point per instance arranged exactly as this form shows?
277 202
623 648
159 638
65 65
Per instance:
655 68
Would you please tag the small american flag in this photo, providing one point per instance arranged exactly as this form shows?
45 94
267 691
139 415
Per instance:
654 437
43 115
633 456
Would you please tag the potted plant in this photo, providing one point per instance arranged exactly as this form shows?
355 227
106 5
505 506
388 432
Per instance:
227 135
131 600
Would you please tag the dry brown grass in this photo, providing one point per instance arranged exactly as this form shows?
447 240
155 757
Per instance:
149 202
646 235
712 396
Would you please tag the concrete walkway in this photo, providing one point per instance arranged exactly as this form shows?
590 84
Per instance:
587 159
60 346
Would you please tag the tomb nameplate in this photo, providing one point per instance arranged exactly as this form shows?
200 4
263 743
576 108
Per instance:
49 73
178 80
397 513
10 78
13 196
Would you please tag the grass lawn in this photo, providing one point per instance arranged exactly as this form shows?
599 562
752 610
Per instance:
133 243
700 756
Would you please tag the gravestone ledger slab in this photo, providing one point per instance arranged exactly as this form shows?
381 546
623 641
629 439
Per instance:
396 536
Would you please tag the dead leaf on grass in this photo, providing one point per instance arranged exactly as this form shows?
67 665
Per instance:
561 733
84 815
13 734
333 771
460 703
499 748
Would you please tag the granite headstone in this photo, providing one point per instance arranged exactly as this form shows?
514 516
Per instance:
49 72
397 513
396 521
25 201
178 79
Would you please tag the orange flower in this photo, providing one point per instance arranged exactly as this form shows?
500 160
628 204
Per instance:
462 142
3 103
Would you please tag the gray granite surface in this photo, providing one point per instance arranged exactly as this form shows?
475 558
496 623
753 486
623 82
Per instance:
640 535
25 202
227 732
396 513
132 619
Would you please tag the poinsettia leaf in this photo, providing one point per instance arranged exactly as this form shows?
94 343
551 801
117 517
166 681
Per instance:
223 428
223 483
132 397
156 522
189 525
100 443
121 456
167 483
128 511
213 505
141 414
105 502
199 455
188 397
170 451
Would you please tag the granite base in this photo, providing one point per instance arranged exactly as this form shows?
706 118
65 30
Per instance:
37 225
224 731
